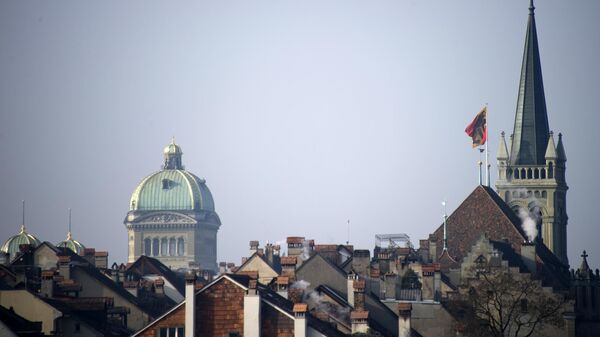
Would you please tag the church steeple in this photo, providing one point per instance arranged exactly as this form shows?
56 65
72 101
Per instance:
531 169
530 136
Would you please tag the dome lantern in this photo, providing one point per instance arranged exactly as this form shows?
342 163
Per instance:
172 153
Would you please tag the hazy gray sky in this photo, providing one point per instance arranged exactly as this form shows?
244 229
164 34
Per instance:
300 114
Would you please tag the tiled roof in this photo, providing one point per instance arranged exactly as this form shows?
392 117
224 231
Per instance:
481 212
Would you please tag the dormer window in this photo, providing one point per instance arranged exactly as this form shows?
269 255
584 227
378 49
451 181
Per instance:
167 184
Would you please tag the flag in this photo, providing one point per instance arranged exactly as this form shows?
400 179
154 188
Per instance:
477 130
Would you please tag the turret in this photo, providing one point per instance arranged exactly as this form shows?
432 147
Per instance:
502 157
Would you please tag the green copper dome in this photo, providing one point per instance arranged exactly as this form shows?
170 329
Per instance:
173 188
73 245
11 246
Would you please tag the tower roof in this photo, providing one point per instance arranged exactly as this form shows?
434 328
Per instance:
531 129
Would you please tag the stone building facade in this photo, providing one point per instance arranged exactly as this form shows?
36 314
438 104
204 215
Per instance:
172 217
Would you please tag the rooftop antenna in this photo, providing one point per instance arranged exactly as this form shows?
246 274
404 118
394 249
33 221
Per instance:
348 239
445 225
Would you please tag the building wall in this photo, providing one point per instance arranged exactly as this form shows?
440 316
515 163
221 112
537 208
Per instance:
91 287
31 308
176 318
220 309
274 323
68 328
265 272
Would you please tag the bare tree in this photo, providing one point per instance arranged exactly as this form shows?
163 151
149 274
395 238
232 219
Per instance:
501 302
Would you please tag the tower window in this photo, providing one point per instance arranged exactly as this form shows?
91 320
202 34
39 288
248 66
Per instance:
550 170
155 247
543 173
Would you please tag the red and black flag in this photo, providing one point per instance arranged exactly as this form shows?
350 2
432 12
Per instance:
477 130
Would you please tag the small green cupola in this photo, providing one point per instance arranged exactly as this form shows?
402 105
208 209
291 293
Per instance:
71 243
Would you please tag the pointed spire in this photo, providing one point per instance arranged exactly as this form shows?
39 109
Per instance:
551 149
502 150
560 149
531 119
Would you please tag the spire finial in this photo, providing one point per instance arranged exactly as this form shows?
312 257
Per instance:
172 139
531 7
69 232
23 216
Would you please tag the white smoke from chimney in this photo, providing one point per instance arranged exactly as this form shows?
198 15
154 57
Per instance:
529 224
305 250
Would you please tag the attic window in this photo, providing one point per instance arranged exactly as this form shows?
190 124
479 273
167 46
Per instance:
167 184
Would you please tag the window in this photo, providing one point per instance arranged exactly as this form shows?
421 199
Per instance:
233 334
171 332
180 247
166 184
172 247
164 247
155 247
147 247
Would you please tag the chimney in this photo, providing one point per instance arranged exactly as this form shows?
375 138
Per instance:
253 247
390 285
432 248
404 311
528 256
350 287
424 249
159 286
428 286
222 267
190 304
283 283
360 321
101 260
359 295
300 310
89 254
361 262
288 266
276 250
64 266
47 287
437 282
252 311
269 253
295 245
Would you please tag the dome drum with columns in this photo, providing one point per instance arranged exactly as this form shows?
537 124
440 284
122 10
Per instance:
172 217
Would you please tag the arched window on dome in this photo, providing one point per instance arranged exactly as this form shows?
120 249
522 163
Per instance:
164 247
172 247
147 247
155 247
180 247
